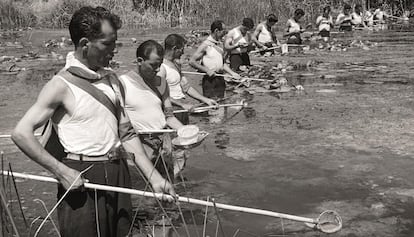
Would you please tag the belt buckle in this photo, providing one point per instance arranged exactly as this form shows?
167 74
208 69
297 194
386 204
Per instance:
112 155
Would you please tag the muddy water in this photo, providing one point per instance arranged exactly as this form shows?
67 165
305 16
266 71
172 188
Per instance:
341 144
344 143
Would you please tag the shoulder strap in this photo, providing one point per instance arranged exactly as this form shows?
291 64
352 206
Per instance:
139 80
85 85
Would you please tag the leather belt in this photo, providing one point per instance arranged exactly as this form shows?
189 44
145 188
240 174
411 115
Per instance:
110 156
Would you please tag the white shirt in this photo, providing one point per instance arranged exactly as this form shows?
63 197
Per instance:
293 26
238 39
177 84
324 23
265 36
356 18
143 106
92 129
213 58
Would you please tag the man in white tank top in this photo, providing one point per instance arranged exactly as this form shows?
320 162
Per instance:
238 42
148 105
89 132
294 29
265 34
325 23
211 55
178 85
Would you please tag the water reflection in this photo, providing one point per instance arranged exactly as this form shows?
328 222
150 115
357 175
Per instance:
222 139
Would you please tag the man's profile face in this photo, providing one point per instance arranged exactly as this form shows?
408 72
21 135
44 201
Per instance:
271 23
221 33
244 29
149 68
178 51
102 50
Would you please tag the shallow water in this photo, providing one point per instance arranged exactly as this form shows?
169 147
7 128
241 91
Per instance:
323 148
344 143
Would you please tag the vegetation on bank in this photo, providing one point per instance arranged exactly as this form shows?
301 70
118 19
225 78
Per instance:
173 13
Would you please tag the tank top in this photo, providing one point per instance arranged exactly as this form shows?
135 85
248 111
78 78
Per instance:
293 26
85 132
142 105
238 38
356 18
324 23
213 59
265 36
173 78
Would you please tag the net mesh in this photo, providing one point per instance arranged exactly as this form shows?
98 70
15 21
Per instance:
329 222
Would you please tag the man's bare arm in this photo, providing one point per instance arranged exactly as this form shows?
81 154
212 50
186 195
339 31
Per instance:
158 183
197 56
49 100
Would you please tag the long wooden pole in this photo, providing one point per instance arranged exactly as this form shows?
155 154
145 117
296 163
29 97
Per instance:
224 75
211 107
181 199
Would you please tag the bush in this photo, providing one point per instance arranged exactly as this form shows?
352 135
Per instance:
58 13
13 15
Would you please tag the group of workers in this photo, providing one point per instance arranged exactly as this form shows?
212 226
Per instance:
99 116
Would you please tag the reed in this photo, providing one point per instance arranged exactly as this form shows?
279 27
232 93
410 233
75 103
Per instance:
173 13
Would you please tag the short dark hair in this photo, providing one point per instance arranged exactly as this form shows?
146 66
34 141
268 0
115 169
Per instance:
272 18
358 6
347 7
248 22
174 40
327 8
87 22
299 12
216 25
145 49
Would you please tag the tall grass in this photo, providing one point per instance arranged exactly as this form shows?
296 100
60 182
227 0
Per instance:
15 15
171 13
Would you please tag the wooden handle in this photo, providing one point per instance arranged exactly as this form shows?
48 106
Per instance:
181 199
208 107
224 75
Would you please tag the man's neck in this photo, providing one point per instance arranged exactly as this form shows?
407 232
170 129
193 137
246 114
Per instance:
146 80
79 56
169 55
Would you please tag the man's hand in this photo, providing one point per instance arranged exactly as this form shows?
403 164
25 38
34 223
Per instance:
72 178
236 76
211 102
163 186
188 107
211 73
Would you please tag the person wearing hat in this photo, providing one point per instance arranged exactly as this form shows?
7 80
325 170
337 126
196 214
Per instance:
294 29
344 19
238 42
264 32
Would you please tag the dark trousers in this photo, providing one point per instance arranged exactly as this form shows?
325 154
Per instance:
77 212
269 45
345 28
213 87
237 60
294 40
324 33
183 117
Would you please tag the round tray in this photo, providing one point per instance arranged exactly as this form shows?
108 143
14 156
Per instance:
201 136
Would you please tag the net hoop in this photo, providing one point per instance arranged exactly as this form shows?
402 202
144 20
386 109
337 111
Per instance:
329 222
